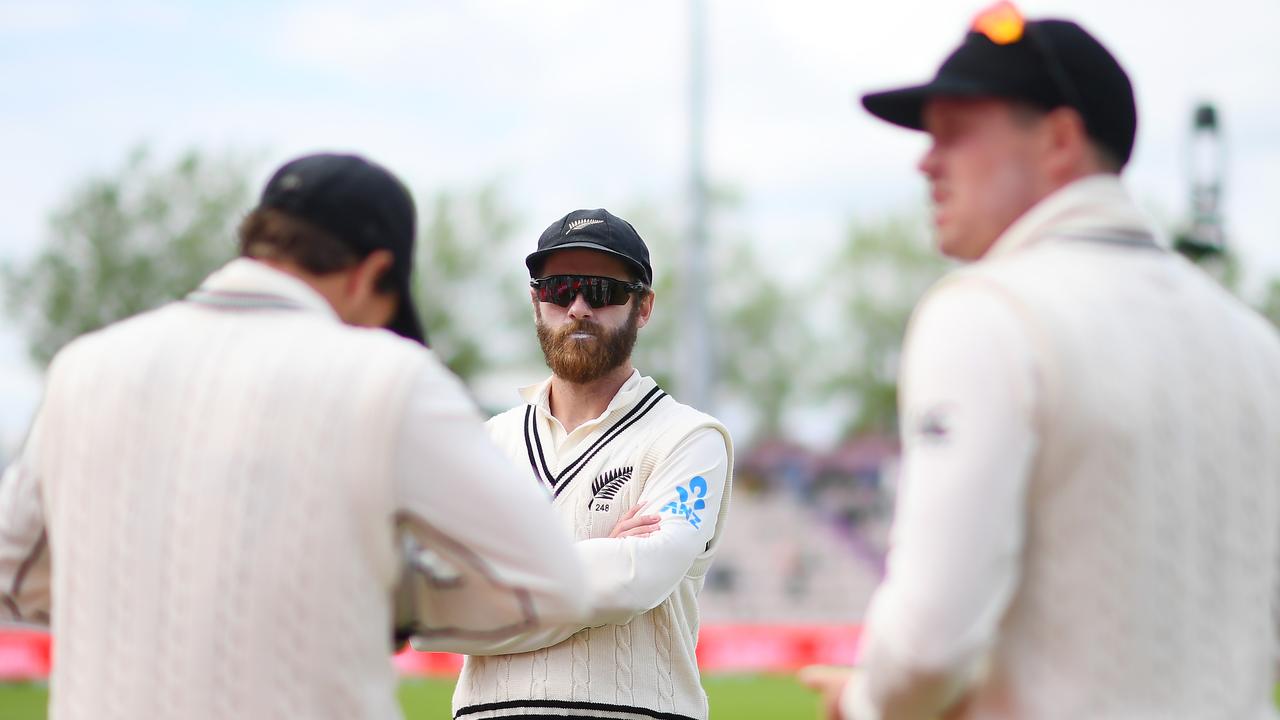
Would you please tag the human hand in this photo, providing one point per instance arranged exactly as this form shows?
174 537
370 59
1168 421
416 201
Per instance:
828 681
632 524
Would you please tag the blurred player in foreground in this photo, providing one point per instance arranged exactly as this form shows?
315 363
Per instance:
208 505
1087 518
641 481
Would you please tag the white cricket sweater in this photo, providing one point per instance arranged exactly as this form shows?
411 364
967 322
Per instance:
635 658
1088 522
211 492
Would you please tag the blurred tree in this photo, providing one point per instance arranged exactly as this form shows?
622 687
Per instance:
136 238
124 243
768 340
762 347
657 353
882 271
461 277
127 242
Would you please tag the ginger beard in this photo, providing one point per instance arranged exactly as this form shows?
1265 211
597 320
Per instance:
582 360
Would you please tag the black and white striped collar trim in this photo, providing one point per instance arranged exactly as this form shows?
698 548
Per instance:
538 460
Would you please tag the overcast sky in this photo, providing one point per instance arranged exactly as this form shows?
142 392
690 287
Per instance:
583 103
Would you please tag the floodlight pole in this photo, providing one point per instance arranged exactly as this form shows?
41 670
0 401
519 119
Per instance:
1205 238
696 348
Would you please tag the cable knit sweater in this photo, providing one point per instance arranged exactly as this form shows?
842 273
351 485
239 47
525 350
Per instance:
1088 522
634 656
208 504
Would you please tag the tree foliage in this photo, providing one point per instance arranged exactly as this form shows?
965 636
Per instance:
768 340
126 242
762 348
141 236
883 270
468 297
144 234
657 347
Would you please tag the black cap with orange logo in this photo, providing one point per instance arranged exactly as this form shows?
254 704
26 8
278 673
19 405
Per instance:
1047 63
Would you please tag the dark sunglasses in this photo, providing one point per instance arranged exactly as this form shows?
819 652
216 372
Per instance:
1003 24
597 291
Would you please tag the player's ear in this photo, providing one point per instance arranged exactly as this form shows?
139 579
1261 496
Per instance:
362 280
646 308
536 305
1067 150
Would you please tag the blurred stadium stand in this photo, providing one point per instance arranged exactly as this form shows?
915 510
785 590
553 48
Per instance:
806 536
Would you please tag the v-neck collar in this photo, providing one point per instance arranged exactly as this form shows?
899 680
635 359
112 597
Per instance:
638 395
539 395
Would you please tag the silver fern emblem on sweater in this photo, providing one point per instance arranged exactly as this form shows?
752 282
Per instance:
606 487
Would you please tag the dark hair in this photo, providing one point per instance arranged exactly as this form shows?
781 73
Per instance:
268 234
1027 113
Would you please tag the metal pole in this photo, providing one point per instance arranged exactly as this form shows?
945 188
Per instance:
696 357
1205 239
1207 161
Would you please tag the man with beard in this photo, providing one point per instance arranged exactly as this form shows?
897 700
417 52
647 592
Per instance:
641 481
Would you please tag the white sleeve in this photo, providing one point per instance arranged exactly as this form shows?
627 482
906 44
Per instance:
492 559
968 406
630 576
24 553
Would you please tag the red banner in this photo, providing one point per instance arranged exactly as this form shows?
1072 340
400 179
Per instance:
26 654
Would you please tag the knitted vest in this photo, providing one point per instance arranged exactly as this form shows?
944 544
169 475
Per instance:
219 499
646 668
1153 510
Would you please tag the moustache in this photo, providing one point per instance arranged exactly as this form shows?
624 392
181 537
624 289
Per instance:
584 327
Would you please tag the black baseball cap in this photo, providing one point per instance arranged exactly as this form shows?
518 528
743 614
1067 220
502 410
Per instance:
1047 63
362 204
596 229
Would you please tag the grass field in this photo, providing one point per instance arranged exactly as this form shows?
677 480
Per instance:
733 697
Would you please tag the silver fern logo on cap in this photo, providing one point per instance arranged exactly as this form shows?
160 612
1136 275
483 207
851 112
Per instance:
581 223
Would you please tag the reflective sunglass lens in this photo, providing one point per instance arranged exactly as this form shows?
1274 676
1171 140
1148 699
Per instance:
596 291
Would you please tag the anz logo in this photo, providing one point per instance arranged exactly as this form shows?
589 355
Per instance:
605 488
689 501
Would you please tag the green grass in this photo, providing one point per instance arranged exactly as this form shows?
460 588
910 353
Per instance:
426 698
733 697
756 697
22 701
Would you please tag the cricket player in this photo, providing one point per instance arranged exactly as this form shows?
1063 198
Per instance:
1089 517
641 481
209 504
